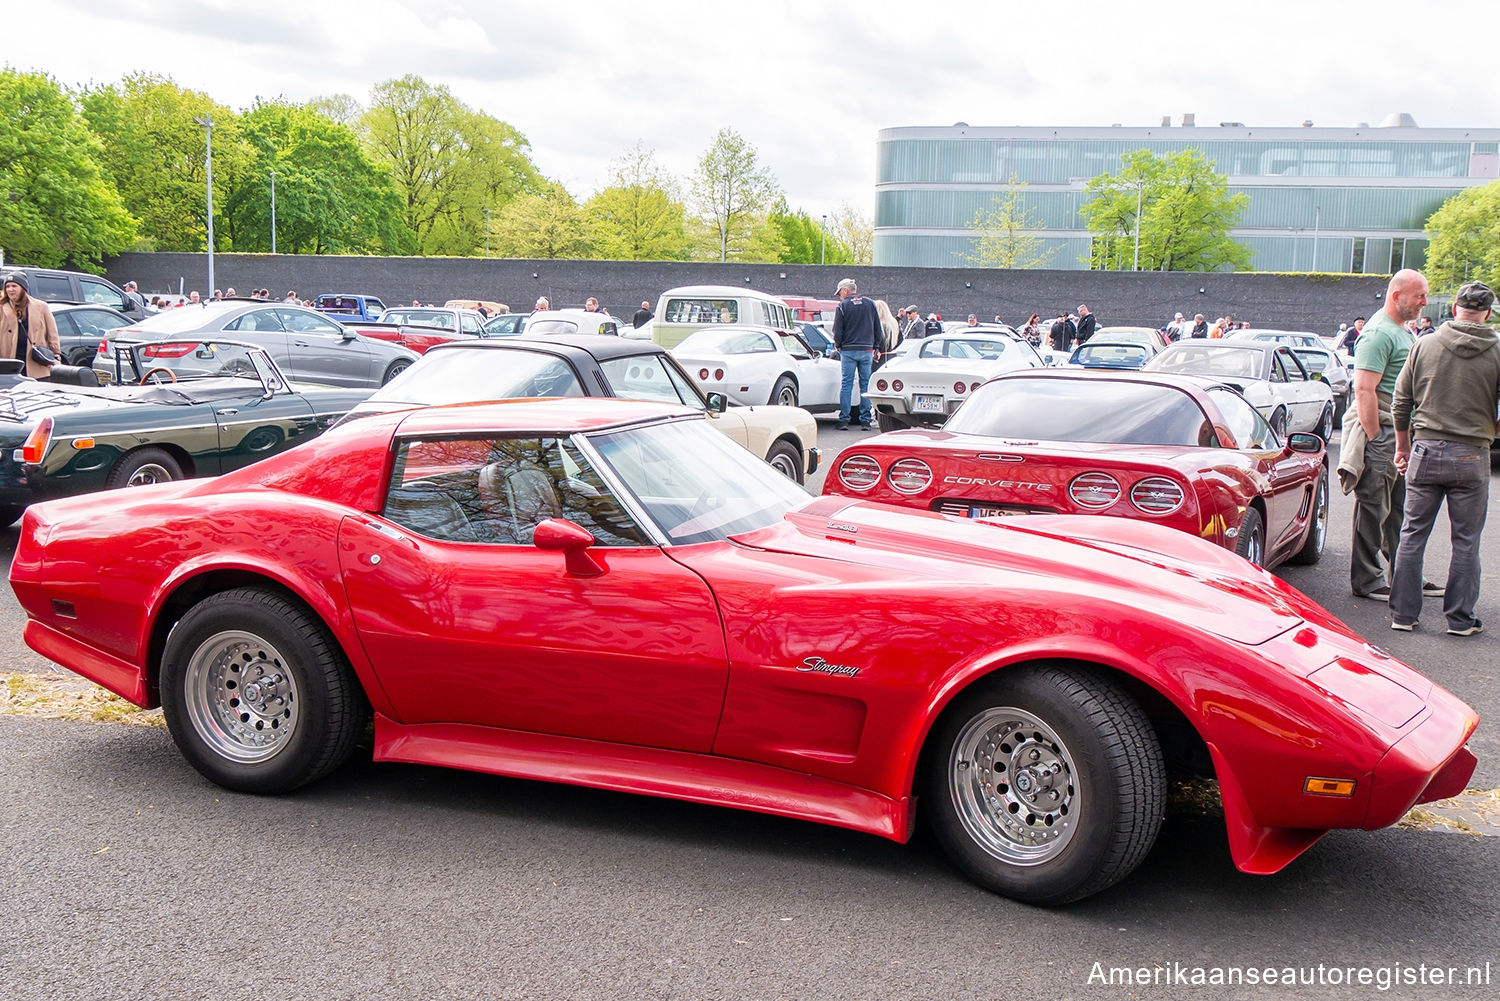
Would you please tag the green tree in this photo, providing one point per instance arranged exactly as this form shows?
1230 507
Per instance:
804 240
448 162
855 231
154 154
547 225
1005 233
1186 213
732 192
331 198
1465 235
638 217
56 207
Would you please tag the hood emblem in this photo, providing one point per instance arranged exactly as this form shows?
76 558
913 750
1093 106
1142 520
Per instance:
817 665
839 526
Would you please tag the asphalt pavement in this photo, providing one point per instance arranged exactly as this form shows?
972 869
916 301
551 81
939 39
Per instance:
127 875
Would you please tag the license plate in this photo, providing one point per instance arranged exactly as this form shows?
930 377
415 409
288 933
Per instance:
993 512
927 404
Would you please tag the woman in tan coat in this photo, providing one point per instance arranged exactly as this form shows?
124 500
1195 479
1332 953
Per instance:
25 321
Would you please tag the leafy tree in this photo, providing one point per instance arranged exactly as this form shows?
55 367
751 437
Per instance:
547 225
56 207
154 154
804 240
1005 233
448 162
1186 213
856 232
638 217
1465 235
732 191
331 198
341 108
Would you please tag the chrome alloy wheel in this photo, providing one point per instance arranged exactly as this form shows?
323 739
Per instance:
150 473
240 697
1320 512
1014 786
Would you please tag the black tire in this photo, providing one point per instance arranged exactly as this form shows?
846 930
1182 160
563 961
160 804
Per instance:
1325 423
142 467
1251 542
888 422
786 459
1317 529
784 393
10 514
1091 760
307 710
397 367
82 357
1278 423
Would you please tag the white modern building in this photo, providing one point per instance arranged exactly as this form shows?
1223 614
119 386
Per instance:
1320 199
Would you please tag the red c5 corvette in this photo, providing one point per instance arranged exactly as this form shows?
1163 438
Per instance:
1180 451
614 594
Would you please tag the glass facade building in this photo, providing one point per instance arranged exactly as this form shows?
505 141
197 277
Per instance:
1319 199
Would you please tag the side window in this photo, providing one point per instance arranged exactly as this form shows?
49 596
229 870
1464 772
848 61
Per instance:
468 324
1249 428
794 347
67 323
1293 366
496 491
260 319
52 288
305 322
95 291
1278 374
647 377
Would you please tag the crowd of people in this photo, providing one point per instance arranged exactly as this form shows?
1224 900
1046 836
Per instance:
166 300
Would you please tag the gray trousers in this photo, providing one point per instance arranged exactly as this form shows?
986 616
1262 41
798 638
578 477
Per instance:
1378 498
1460 474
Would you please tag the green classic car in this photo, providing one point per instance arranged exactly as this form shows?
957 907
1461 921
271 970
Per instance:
204 407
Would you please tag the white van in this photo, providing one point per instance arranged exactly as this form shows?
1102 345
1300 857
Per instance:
680 311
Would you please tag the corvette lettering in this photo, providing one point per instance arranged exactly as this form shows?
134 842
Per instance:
818 665
983 481
838 526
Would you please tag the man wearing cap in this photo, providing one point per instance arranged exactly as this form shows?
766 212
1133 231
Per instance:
915 325
855 326
1444 408
134 296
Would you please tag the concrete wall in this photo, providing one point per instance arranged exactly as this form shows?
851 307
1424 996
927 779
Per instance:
1298 302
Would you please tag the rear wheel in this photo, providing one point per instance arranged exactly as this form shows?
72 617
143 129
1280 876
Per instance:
143 467
786 460
257 694
1317 524
1278 423
1046 784
1251 542
1325 423
785 392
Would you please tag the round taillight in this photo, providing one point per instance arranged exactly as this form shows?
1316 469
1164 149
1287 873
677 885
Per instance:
1094 490
910 476
703 375
959 388
881 385
897 386
859 472
719 374
1157 495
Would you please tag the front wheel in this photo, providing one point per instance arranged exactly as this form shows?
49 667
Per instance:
257 694
1251 542
786 459
785 392
397 367
1047 784
1278 424
1325 423
1317 524
143 467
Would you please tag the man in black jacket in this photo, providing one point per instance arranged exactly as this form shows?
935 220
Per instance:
1062 333
642 316
1086 324
855 326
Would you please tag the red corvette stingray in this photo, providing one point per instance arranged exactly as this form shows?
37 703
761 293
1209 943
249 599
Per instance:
614 594
1181 451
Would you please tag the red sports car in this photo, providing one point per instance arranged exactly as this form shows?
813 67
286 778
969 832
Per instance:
1182 451
614 594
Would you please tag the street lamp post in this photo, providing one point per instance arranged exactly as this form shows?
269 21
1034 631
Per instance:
1317 222
724 230
823 241
273 211
486 232
1135 264
208 162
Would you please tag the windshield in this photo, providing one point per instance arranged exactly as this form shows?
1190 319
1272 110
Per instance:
1231 362
988 348
437 319
725 490
1085 409
166 362
468 376
727 342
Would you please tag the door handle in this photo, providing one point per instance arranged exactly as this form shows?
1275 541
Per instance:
226 412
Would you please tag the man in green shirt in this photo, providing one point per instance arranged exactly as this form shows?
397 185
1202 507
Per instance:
1380 492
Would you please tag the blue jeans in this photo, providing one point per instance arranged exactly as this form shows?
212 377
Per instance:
1461 474
855 361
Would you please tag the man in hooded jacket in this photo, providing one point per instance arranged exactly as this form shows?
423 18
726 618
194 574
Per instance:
1444 408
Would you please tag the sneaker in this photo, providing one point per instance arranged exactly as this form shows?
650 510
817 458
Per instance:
1477 627
841 426
1431 590
1381 593
867 426
1403 627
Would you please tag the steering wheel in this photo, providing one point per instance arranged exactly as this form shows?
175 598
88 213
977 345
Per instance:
154 375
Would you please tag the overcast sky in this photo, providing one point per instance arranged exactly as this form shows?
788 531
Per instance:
809 84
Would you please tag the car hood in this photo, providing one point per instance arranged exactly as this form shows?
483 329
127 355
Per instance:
30 402
1090 562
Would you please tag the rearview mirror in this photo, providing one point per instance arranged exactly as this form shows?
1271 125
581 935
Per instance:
717 403
573 540
1304 441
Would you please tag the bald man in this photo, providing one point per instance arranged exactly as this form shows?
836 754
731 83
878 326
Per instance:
1380 491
